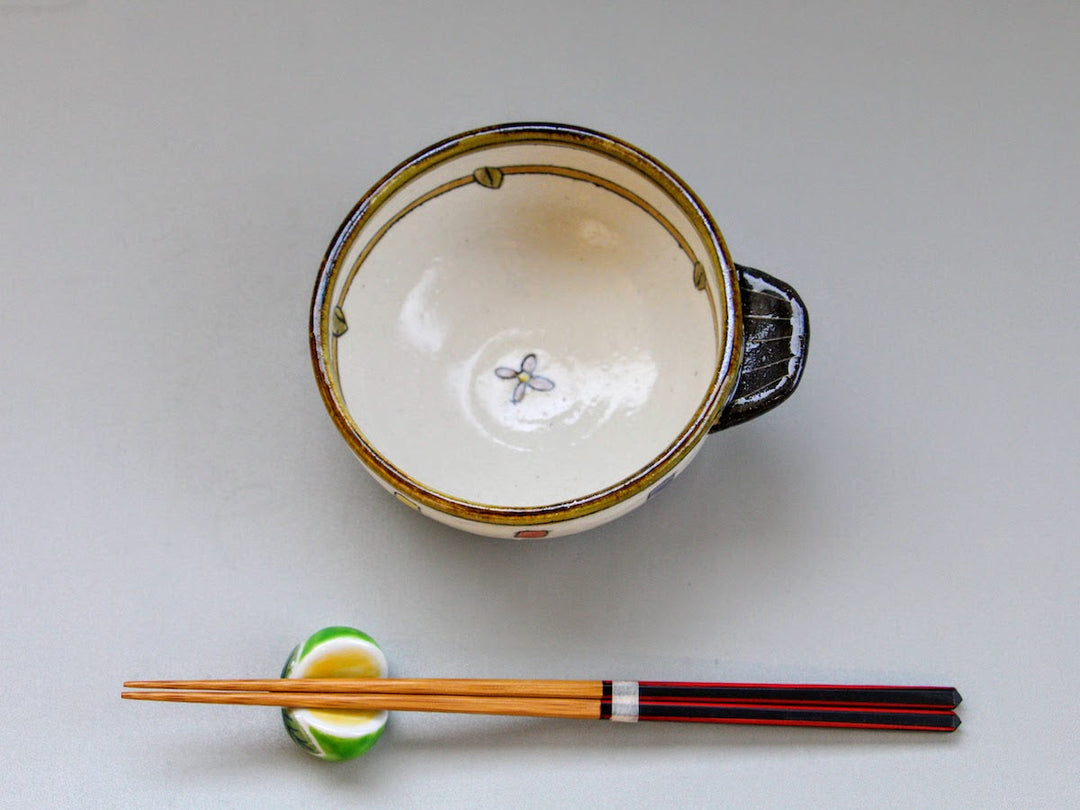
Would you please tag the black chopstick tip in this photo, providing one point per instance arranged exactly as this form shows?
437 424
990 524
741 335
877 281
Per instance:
957 699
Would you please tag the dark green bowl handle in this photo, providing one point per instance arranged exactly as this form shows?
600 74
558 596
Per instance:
776 334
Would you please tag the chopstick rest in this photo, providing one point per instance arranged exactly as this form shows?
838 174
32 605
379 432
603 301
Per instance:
341 652
335 698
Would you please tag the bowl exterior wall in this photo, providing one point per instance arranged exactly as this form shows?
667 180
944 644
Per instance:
541 529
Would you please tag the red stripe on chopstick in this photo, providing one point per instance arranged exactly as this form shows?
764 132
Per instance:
801 723
930 697
791 705
775 703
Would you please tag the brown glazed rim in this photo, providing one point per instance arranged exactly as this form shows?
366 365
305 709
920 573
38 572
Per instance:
718 261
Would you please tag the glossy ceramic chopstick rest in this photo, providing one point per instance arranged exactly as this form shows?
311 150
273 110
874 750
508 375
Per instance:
337 652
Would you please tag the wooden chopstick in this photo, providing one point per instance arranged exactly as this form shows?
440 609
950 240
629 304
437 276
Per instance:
573 708
576 708
923 697
877 707
480 687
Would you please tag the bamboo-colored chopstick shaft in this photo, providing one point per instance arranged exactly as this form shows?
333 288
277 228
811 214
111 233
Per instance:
491 687
460 704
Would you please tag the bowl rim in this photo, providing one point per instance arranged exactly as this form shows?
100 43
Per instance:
718 261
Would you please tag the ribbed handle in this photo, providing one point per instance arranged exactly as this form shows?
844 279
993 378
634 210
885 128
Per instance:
776 334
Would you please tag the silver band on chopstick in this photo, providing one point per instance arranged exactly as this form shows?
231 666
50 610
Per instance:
624 701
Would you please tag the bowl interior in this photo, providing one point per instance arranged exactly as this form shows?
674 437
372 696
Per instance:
523 325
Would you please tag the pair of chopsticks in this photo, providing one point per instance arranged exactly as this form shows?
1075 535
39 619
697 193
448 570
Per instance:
909 708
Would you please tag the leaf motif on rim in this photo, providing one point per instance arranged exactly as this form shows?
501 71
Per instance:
488 176
699 275
341 326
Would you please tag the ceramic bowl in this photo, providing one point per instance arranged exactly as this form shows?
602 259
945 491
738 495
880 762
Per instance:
528 329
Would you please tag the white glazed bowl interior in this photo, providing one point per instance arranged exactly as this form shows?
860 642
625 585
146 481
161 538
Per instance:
525 326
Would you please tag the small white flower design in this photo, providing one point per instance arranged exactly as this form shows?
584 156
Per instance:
525 377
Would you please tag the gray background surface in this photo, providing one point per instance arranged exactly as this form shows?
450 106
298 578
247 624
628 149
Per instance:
174 501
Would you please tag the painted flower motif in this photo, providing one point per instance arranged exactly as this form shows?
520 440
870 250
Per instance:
525 377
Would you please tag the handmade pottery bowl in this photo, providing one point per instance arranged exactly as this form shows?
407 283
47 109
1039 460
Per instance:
527 330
